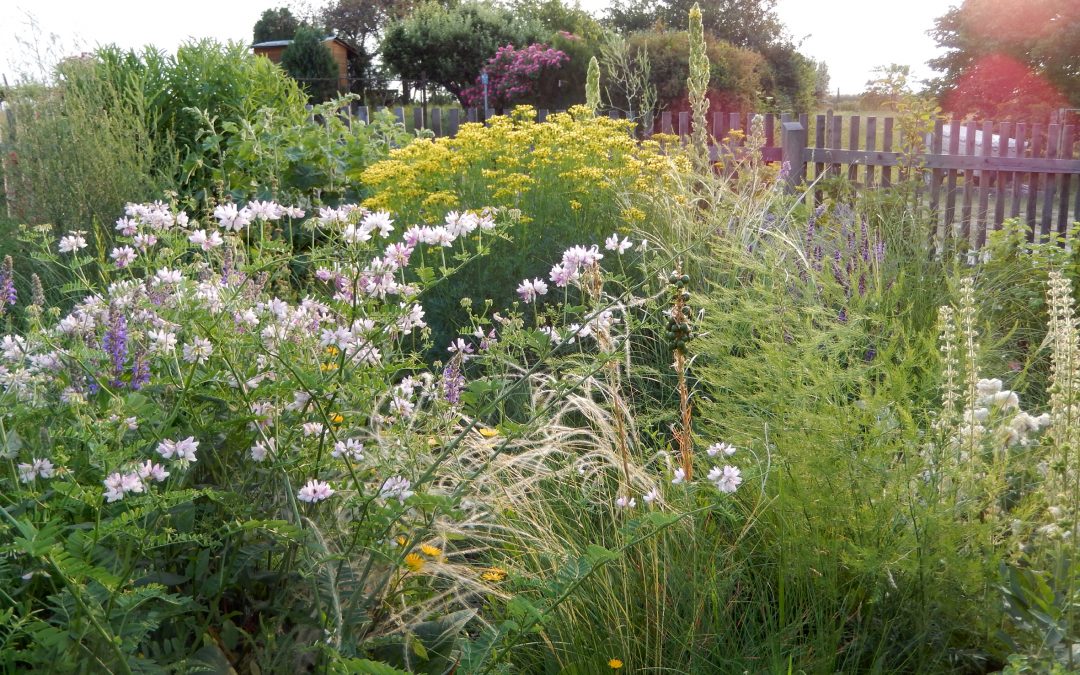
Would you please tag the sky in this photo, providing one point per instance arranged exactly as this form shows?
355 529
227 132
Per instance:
851 36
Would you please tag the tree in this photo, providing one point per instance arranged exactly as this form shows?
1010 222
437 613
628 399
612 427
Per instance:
362 23
1016 58
449 46
276 24
752 24
311 63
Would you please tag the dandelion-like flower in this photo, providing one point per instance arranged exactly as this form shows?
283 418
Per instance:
615 664
414 562
315 491
493 574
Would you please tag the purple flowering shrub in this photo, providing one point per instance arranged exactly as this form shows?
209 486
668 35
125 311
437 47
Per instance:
516 75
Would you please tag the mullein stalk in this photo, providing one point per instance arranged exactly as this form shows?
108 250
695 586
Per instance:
698 85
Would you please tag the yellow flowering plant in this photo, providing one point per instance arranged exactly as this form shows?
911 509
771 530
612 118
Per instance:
573 178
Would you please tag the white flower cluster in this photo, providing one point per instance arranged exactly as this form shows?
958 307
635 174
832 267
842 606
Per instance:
997 415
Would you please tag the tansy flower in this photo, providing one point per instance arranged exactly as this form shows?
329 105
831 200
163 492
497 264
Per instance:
614 664
430 551
494 574
414 562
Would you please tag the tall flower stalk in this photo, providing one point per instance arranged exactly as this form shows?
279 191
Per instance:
592 85
697 85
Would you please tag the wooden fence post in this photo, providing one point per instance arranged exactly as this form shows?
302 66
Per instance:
792 145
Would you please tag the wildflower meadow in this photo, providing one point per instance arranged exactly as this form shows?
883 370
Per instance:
555 396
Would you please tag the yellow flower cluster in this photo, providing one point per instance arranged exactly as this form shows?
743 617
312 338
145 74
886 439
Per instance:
577 156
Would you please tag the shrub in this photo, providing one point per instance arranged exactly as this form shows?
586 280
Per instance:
567 176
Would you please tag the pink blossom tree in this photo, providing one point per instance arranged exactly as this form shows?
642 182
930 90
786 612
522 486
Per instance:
516 75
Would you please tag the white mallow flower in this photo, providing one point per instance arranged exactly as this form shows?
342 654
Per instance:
205 241
179 450
727 480
355 235
162 341
123 256
118 485
198 350
396 487
531 290
349 449
725 449
379 220
148 470
626 502
315 491
261 449
39 468
612 243
232 218
167 276
72 243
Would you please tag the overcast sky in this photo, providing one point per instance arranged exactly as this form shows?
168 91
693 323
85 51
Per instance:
851 36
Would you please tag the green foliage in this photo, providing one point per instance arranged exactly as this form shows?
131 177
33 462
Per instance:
1008 58
276 24
735 81
309 61
450 45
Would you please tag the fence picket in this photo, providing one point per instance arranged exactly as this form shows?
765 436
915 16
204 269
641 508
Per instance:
1053 138
984 186
969 183
436 122
950 195
838 141
937 177
853 144
886 146
453 121
665 123
1018 178
1037 151
1004 136
770 130
684 125
1067 141
871 145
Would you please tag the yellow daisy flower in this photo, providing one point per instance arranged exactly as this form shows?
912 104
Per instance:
430 551
615 664
414 562
494 574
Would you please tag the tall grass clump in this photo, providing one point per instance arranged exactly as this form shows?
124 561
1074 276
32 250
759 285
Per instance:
79 150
